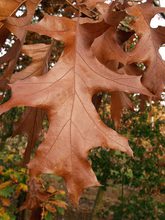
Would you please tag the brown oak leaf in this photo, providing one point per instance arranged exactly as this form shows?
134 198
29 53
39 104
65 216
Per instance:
113 51
8 9
13 23
119 102
40 54
30 122
66 92
153 77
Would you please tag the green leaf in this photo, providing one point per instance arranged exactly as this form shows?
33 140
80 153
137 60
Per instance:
48 216
6 192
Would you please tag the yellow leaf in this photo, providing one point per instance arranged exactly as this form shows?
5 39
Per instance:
14 178
51 189
9 158
5 184
61 192
23 187
2 211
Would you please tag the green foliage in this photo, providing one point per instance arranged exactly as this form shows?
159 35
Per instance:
12 184
141 178
14 178
137 207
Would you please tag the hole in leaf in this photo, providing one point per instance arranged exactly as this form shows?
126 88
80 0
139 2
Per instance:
4 33
162 51
141 66
157 20
52 7
33 38
126 36
23 61
123 36
3 68
120 65
21 12
45 124
131 3
60 8
38 15
5 93
162 99
57 50
160 3
125 24
8 44
96 100
136 68
131 43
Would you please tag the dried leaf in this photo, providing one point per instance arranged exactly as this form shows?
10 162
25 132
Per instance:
40 54
30 122
7 10
65 92
119 102
153 77
14 25
111 37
